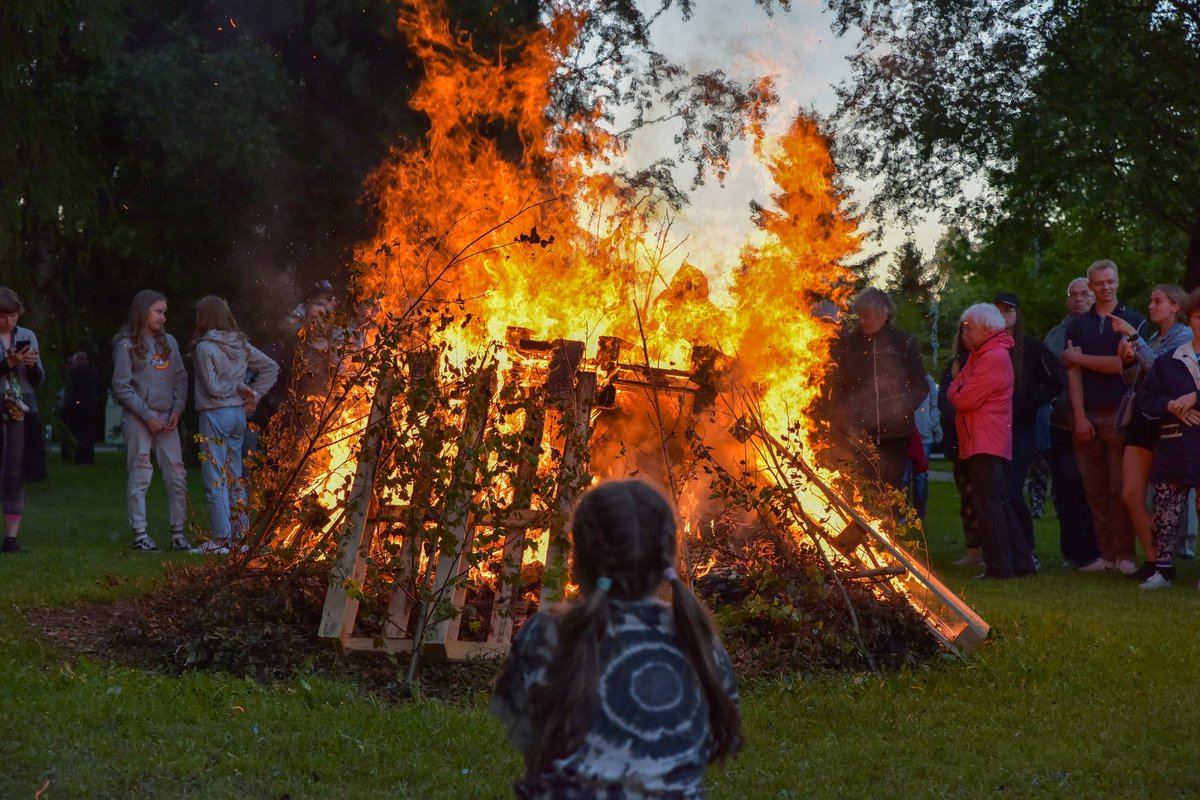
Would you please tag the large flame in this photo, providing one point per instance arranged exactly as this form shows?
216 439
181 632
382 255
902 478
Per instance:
505 217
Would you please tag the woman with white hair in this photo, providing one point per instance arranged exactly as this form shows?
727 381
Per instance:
982 395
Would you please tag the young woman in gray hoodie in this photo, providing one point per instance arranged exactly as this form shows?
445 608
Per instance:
150 382
223 360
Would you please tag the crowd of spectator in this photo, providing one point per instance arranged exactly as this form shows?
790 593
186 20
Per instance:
1105 406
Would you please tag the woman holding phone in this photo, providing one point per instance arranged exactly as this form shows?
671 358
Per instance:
20 373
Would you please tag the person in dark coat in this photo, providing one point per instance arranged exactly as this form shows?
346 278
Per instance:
1036 381
79 409
877 383
1169 393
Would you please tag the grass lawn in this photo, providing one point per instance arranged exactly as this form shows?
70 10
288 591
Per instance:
1083 692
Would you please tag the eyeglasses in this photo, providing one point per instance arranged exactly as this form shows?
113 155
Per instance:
1085 293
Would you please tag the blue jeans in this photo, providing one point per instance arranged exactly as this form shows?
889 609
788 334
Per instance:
221 433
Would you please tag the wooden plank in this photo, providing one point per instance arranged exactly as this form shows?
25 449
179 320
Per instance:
576 420
533 430
341 605
452 566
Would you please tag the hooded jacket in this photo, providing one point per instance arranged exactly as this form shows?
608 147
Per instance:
154 387
982 398
224 360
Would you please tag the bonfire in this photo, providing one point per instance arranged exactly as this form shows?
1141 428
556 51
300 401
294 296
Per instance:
524 332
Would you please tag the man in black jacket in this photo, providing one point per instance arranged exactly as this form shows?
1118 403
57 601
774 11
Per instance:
878 381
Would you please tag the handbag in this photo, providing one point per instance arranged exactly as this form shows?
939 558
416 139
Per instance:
1126 409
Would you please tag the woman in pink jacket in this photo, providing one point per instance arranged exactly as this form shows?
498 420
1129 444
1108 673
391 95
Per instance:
982 398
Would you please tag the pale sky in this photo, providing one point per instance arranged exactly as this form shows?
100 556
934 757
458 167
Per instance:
806 59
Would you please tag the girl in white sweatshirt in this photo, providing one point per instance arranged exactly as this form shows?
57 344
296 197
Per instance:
223 360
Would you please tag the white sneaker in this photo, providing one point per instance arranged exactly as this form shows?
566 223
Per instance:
1126 567
144 543
1155 581
215 547
179 542
1099 565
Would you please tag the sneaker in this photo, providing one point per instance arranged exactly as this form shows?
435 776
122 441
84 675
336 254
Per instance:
1155 581
1126 567
1143 572
179 542
144 543
215 547
11 545
1099 565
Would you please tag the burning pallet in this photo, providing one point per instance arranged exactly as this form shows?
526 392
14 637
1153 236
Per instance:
569 391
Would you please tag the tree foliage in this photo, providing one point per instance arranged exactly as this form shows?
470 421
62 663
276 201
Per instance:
1047 116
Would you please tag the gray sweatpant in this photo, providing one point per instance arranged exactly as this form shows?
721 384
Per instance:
168 454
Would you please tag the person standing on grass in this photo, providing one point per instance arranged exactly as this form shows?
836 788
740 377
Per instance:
150 383
20 373
222 360
1036 382
1076 538
79 409
1170 392
616 693
966 509
1167 303
982 396
876 384
1095 387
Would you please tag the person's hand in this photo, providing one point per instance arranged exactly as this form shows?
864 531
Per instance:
1085 431
172 423
1125 351
249 401
156 425
1191 417
1121 326
28 357
1181 405
1070 354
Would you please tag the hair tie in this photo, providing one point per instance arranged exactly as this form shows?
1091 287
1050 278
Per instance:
670 574
604 583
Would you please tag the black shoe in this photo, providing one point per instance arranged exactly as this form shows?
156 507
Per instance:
12 546
1143 572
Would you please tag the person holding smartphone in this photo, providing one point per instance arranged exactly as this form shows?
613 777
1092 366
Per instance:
20 373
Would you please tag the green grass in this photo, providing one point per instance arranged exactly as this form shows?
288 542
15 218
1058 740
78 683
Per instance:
1085 691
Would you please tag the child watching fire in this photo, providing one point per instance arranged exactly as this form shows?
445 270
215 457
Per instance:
616 690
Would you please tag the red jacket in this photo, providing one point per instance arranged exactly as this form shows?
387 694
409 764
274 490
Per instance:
982 397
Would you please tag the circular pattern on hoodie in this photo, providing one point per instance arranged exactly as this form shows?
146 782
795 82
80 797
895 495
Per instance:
651 700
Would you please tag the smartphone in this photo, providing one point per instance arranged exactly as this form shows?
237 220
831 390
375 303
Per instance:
20 344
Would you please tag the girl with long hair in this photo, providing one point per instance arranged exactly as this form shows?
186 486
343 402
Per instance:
617 688
1169 395
231 377
150 383
20 373
1166 314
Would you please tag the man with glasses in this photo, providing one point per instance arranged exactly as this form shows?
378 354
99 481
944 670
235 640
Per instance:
1076 537
1095 387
